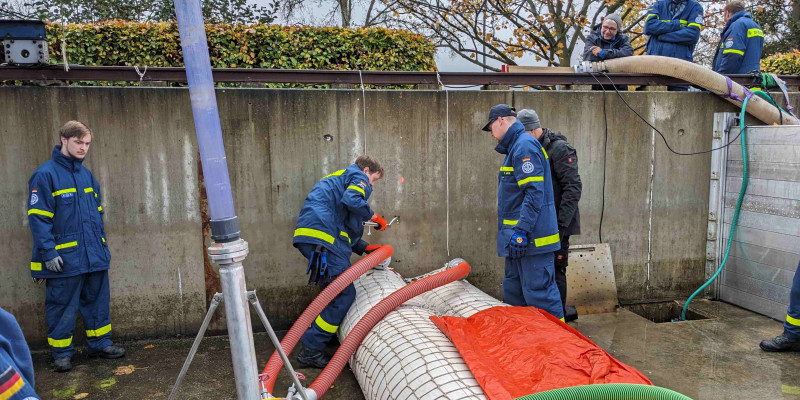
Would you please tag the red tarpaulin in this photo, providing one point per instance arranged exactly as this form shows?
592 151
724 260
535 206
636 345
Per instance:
517 351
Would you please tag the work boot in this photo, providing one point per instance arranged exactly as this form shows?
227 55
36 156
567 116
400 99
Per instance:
570 314
62 364
312 358
109 352
781 343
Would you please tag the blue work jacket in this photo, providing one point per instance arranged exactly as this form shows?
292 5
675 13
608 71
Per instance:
739 46
16 365
335 211
673 35
66 218
525 194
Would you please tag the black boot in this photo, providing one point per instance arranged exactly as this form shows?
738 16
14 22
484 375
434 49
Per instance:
570 314
312 358
109 352
781 343
62 364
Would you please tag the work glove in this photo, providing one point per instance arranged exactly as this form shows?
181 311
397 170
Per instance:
518 245
372 248
380 221
54 265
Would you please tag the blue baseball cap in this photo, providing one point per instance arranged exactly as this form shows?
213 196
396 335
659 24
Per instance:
500 110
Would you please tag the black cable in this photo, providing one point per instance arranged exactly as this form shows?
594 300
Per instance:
605 157
656 129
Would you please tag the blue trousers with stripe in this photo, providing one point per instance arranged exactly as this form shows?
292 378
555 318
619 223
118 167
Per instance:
791 326
327 322
530 281
88 294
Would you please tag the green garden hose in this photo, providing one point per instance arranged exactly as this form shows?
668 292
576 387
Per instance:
608 391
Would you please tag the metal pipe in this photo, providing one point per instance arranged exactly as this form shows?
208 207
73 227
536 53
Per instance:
240 331
277 343
218 298
224 225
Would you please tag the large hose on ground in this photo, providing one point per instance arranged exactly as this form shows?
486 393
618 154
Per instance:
405 356
320 302
372 317
608 391
697 75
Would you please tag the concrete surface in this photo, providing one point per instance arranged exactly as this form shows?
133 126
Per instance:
712 359
145 156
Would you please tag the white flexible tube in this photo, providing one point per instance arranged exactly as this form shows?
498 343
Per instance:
405 356
697 75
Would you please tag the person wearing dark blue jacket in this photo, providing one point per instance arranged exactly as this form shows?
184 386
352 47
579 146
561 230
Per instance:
527 226
16 365
70 249
607 41
740 44
327 232
673 29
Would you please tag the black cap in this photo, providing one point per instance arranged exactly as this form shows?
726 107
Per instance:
500 110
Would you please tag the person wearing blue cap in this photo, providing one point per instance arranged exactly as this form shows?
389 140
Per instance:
527 227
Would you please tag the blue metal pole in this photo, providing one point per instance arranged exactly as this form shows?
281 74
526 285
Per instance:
224 224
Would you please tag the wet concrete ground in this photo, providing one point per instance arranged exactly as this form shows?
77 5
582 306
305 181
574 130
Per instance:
709 359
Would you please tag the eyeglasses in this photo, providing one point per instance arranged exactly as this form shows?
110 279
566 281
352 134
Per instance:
492 123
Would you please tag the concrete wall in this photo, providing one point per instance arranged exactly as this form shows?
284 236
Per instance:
144 154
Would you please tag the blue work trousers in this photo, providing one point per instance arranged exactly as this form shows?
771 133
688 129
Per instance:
327 322
530 281
791 326
64 298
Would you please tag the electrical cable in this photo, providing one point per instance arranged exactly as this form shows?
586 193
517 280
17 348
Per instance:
605 158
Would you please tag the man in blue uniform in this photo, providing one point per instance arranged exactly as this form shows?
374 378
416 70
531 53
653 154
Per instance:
70 250
16 366
740 44
328 231
673 29
527 227
790 339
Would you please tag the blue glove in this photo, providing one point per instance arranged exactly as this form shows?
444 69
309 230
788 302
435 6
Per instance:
518 245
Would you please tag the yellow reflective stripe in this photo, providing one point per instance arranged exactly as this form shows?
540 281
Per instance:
313 233
562 319
545 153
36 266
650 16
88 190
666 20
683 21
755 32
99 331
65 245
531 179
734 51
357 189
59 342
99 208
790 389
343 233
62 191
792 321
104 239
510 221
695 24
325 326
506 169
337 173
544 241
40 212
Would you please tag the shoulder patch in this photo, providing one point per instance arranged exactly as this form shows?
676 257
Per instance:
526 159
527 167
362 184
729 43
34 197
699 20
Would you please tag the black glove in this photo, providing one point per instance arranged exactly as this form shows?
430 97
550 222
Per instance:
54 265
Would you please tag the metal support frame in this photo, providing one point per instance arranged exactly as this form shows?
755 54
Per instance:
723 124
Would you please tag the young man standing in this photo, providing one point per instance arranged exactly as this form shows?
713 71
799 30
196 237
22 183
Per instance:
527 228
70 250
740 44
328 231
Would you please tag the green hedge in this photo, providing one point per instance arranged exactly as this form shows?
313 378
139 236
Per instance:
782 63
244 46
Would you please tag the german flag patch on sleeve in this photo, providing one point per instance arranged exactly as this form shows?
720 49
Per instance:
10 383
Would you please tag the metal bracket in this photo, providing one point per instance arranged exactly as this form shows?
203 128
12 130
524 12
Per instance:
229 252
